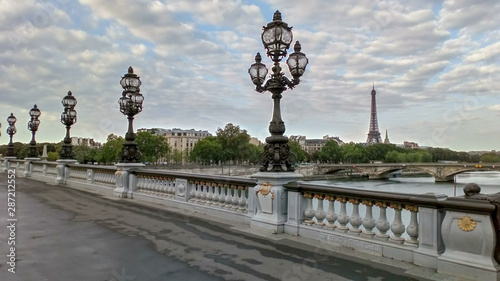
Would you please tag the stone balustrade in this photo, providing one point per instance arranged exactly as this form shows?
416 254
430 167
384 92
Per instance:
456 236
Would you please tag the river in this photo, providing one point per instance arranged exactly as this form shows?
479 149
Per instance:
488 181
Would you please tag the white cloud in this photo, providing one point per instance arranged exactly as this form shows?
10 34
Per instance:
430 64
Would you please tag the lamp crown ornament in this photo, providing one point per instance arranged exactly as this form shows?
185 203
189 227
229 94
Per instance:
276 38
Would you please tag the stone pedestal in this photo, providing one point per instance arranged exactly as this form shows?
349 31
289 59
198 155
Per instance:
126 182
28 165
63 170
270 199
470 242
7 162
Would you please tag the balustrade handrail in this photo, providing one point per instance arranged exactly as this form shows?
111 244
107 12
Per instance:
191 176
427 200
96 167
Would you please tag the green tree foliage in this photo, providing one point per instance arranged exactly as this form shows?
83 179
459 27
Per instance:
378 151
490 157
330 153
354 153
301 155
175 156
234 142
152 147
85 154
52 156
111 150
208 150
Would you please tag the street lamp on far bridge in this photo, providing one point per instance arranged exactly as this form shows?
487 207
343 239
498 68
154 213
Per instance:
277 37
130 105
11 131
68 118
33 127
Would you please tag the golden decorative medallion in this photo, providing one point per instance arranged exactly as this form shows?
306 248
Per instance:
466 223
265 188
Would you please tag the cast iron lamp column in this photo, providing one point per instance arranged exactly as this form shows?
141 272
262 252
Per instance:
276 37
130 105
33 127
68 118
11 131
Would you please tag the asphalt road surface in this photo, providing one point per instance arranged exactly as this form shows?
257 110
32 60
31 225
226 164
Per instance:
69 235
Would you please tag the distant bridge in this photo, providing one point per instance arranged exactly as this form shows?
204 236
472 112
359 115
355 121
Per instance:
442 172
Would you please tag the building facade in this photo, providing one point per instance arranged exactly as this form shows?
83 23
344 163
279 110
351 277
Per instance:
85 142
180 141
312 145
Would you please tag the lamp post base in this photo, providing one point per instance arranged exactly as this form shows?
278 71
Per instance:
126 182
270 199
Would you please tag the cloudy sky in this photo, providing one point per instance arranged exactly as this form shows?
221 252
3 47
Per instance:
435 66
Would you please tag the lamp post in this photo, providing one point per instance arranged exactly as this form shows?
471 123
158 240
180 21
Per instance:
277 37
33 127
11 131
130 105
68 118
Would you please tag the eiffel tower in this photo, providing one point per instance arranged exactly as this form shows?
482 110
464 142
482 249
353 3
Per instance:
373 132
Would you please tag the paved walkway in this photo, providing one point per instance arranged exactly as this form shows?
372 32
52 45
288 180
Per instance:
69 235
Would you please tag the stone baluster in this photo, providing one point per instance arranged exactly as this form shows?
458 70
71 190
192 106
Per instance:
412 228
222 195
309 211
155 185
208 193
193 191
331 216
320 213
199 189
215 195
90 176
397 226
355 219
368 221
242 202
229 197
343 218
170 187
382 224
165 187
236 197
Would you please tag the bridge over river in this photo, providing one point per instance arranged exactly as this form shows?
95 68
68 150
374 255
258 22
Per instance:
442 172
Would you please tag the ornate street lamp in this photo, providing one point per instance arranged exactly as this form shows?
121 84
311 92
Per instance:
130 104
277 37
11 130
33 127
68 118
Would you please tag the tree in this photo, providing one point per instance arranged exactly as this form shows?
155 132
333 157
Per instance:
111 150
152 147
330 152
353 153
52 156
208 150
85 154
378 151
300 154
234 142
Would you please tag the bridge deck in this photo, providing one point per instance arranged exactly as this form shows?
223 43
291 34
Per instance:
64 234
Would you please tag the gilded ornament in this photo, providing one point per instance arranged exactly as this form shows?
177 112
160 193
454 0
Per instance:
466 223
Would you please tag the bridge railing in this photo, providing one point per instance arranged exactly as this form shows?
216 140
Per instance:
456 236
226 193
382 216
